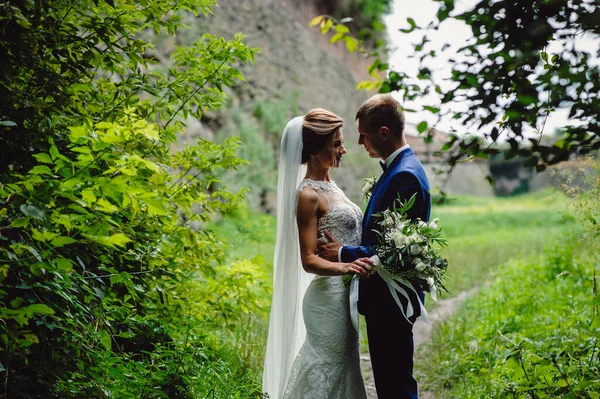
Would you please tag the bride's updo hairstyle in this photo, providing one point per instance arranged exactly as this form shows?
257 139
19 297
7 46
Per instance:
317 128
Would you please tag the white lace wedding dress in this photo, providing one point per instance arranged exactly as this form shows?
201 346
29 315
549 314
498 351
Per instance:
328 365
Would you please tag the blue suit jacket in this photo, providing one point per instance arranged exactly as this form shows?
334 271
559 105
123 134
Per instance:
405 176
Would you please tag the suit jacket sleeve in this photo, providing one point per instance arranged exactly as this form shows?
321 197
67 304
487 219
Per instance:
404 184
351 253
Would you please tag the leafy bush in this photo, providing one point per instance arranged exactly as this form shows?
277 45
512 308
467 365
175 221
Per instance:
103 281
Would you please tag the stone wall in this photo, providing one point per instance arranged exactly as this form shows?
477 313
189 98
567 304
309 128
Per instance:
295 61
298 62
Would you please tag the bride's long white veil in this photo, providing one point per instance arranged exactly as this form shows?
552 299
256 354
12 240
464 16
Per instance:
290 281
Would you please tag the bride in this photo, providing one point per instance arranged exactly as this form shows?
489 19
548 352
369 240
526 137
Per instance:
312 349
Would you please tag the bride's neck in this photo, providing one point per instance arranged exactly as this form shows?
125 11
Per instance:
316 173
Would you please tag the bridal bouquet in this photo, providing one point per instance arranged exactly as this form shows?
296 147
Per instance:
407 248
405 255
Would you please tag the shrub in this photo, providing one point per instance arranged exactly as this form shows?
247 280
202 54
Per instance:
97 251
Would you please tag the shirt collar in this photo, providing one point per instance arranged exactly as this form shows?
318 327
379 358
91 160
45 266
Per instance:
393 155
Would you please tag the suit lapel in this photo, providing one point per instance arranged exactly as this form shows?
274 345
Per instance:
380 183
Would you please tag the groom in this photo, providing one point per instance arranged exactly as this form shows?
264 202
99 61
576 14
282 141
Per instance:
381 132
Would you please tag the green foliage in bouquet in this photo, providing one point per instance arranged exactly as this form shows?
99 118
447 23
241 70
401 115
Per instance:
407 248
104 274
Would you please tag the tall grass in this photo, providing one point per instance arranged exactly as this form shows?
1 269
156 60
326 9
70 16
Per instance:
484 233
532 333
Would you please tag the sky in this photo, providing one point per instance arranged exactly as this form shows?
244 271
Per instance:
455 33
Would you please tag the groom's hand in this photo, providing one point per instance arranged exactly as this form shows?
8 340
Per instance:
330 250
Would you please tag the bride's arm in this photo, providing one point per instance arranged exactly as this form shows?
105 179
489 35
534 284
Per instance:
307 211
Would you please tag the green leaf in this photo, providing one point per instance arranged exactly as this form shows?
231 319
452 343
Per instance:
119 239
20 222
316 20
40 308
155 207
335 38
17 302
77 132
7 123
54 152
106 206
38 235
33 212
40 170
64 264
88 196
62 241
326 26
341 29
105 339
421 127
43 158
351 43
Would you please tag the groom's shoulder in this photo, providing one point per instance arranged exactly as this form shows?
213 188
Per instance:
410 164
411 170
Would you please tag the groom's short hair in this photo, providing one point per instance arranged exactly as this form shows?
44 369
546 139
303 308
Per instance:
381 110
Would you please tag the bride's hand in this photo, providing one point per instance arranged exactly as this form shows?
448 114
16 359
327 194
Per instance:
361 266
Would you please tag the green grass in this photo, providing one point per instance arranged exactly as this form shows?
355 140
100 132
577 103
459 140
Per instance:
532 333
484 233
247 234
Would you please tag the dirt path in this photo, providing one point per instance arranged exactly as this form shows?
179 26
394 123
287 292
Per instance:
422 332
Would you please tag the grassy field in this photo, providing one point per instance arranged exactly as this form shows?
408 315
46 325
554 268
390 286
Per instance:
484 233
248 234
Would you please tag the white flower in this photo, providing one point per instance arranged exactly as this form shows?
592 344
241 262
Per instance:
415 249
420 266
388 221
422 223
433 224
399 239
415 238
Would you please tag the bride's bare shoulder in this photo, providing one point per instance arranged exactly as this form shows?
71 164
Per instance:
308 196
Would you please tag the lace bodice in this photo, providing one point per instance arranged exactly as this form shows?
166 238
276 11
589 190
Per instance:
344 218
